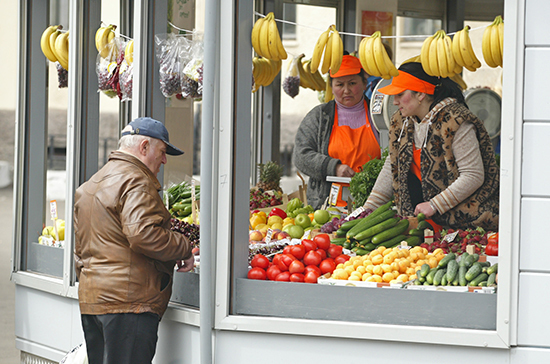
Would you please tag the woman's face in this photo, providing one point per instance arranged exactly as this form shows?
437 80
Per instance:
348 90
408 103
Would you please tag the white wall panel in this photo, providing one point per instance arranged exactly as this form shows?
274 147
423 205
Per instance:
536 82
536 164
537 26
533 320
529 355
534 250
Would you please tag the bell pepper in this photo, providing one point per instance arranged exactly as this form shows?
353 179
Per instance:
492 245
278 212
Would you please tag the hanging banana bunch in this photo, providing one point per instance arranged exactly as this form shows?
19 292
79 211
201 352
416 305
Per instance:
463 51
264 71
456 78
437 57
331 42
492 43
129 52
45 42
266 39
374 58
104 42
308 79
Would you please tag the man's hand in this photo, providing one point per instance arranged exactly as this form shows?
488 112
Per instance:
186 265
343 170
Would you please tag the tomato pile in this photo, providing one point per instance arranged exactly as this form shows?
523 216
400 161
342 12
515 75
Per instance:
303 262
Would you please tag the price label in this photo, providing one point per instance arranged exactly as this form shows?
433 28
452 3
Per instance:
333 198
355 213
53 209
268 236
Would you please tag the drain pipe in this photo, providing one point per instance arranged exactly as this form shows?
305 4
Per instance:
211 29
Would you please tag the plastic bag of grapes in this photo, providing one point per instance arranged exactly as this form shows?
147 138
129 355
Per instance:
107 69
170 51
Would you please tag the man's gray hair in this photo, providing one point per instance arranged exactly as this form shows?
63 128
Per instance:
131 141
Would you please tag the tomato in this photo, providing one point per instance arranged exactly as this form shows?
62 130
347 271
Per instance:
296 267
260 261
327 265
312 257
309 244
296 277
491 249
272 272
322 241
342 258
322 252
283 277
285 261
298 251
286 249
311 277
312 268
334 250
257 273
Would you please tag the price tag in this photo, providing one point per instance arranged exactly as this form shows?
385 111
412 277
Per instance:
268 236
355 213
449 238
333 197
53 214
193 208
404 245
428 236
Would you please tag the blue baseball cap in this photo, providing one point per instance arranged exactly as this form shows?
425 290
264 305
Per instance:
152 128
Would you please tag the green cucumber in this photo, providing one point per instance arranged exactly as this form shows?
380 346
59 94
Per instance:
468 261
492 279
444 281
390 233
443 262
462 257
473 272
413 241
477 280
378 228
424 270
439 276
396 240
462 276
492 269
349 224
431 275
419 276
361 251
367 223
338 241
423 225
452 270
416 232
455 281
346 245
381 209
340 233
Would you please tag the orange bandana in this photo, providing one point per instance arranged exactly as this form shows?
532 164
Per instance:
406 81
350 66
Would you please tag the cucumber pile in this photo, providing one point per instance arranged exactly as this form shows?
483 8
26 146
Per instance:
466 272
179 199
381 228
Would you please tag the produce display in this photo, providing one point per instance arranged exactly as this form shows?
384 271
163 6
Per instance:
189 230
53 236
270 174
179 200
362 182
456 241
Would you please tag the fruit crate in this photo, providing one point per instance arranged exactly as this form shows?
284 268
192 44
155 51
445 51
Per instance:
282 206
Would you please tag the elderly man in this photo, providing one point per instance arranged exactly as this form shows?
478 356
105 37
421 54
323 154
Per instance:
125 252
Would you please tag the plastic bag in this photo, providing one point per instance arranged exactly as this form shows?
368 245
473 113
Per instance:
126 78
192 78
107 69
62 76
77 355
291 83
169 50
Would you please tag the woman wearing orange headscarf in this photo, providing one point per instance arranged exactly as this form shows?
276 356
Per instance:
336 138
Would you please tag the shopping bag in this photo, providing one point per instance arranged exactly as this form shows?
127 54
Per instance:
77 355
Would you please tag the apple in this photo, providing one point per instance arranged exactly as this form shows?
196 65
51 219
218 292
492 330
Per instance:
277 226
283 235
321 216
302 220
296 231
334 212
255 235
274 220
287 227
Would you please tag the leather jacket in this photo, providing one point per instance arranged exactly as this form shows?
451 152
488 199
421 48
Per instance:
125 252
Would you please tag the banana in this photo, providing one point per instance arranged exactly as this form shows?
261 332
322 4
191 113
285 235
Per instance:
318 50
304 80
433 56
378 48
62 50
45 42
447 45
306 66
486 47
455 48
495 45
337 50
464 42
264 37
260 80
129 52
280 48
104 37
501 39
328 90
328 54
273 35
425 55
319 80
370 58
442 56
362 57
255 36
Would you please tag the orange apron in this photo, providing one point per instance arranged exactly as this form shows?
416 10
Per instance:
353 147
415 168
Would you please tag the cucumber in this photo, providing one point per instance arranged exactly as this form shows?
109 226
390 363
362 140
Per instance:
424 270
369 246
431 275
444 281
473 272
452 270
390 233
361 251
477 280
378 228
462 276
483 284
340 233
416 232
468 261
349 224
493 269
439 276
485 264
364 241
338 241
443 262
455 281
422 225
381 209
413 241
346 245
462 257
476 257
492 278
367 223
419 277
393 241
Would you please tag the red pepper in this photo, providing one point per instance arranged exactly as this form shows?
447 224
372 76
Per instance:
491 249
277 211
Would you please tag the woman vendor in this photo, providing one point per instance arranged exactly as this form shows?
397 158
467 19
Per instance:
336 138
441 161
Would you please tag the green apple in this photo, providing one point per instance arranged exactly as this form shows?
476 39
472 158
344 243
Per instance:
302 220
287 227
321 216
296 231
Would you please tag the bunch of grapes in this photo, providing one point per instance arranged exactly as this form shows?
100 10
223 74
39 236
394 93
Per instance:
190 231
62 76
259 199
335 223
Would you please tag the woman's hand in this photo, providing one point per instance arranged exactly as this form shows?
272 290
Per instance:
343 170
425 208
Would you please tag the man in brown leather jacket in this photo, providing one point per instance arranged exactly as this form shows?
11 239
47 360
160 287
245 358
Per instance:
125 252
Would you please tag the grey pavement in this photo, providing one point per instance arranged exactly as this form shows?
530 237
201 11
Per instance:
9 354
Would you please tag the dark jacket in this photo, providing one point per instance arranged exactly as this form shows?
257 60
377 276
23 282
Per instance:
125 252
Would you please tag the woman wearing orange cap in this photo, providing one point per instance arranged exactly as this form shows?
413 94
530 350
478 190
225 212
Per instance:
441 160
336 138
